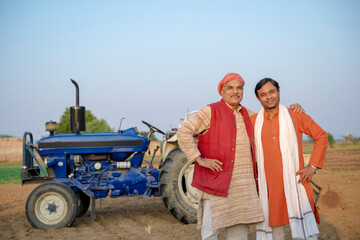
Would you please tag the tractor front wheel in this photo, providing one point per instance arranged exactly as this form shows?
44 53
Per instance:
52 205
176 191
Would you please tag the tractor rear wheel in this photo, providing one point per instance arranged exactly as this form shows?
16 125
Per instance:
51 205
175 187
83 203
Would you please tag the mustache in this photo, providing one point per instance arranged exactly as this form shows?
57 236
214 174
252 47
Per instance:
235 95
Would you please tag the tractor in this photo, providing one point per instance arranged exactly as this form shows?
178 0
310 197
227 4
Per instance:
74 169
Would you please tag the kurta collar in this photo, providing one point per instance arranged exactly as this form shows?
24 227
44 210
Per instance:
236 110
266 114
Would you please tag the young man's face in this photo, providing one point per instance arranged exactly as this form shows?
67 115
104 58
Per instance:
269 96
232 93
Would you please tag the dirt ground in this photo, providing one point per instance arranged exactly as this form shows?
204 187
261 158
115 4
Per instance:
147 218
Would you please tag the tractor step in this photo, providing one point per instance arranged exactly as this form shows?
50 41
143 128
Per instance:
32 175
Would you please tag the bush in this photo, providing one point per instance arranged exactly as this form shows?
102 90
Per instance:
331 139
5 136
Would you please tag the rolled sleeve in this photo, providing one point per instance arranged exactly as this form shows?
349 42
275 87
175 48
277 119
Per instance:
187 134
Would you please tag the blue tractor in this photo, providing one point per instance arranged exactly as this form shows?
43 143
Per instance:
76 168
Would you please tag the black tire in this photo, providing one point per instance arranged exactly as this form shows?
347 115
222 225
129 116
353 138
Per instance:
83 203
51 205
175 190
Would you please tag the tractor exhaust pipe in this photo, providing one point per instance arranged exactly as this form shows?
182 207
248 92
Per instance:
77 114
77 92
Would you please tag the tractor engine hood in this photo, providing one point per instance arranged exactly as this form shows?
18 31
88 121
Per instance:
93 143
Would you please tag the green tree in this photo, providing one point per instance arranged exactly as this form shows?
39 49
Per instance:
98 126
92 123
331 139
5 136
152 137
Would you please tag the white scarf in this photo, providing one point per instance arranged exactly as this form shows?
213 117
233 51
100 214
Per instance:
301 217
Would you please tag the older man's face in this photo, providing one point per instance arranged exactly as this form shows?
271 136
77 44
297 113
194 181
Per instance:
232 93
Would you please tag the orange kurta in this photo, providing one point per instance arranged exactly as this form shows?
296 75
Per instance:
278 214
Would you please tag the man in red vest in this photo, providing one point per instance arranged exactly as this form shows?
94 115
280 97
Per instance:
225 168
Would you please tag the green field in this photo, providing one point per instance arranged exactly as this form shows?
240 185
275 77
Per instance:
10 174
308 147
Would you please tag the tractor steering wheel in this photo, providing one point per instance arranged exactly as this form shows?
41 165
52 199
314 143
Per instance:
152 128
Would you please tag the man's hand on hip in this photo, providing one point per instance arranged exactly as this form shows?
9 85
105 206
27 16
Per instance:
306 174
213 164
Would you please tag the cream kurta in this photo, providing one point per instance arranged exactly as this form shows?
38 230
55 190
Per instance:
242 205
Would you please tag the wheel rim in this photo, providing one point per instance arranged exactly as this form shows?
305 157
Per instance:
188 192
51 208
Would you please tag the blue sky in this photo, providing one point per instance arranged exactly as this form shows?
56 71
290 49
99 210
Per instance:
155 60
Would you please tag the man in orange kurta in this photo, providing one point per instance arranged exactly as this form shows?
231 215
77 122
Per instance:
268 93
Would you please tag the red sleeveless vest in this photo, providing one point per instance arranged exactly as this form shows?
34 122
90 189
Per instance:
219 142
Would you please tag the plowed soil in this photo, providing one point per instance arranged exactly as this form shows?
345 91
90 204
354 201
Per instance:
147 218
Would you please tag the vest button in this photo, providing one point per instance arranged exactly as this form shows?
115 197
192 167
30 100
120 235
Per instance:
233 149
229 172
232 161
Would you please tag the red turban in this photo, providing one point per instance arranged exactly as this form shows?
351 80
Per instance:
229 77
